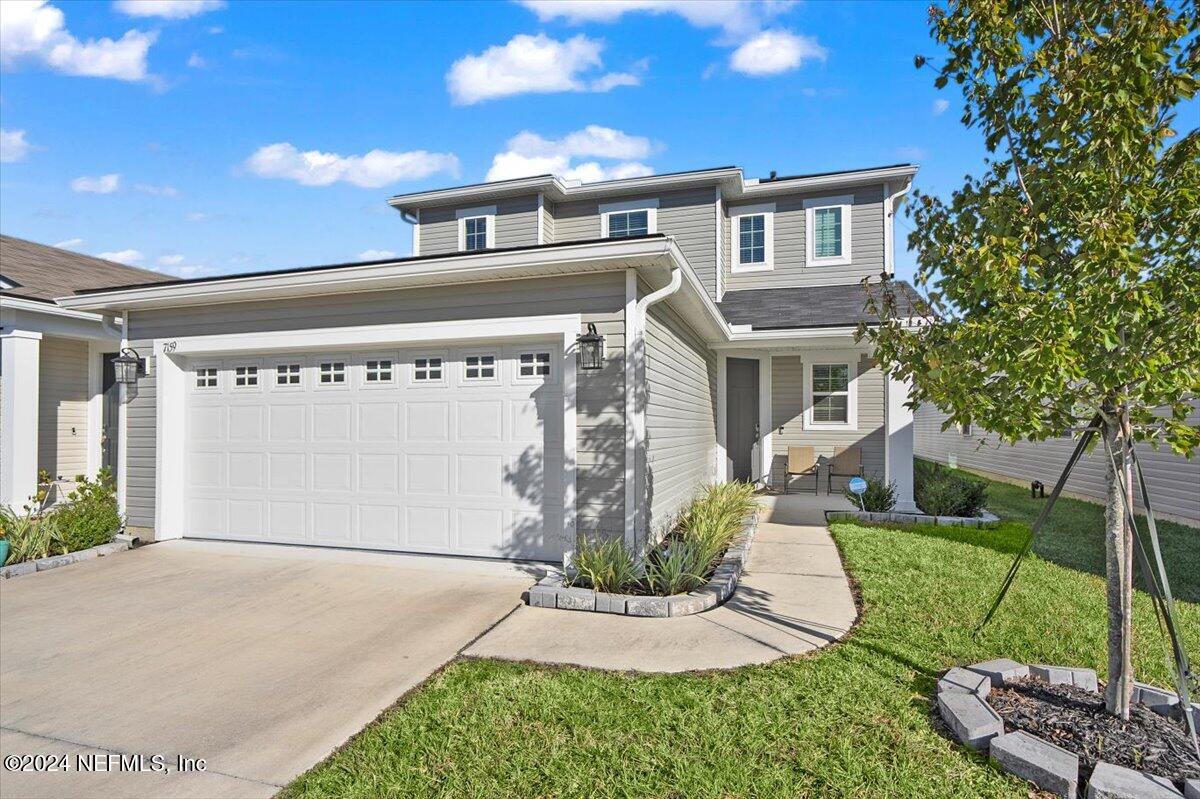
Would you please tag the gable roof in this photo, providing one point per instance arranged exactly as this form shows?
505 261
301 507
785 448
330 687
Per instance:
39 272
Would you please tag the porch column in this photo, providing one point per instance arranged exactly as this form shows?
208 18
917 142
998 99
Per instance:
900 443
19 351
765 429
721 467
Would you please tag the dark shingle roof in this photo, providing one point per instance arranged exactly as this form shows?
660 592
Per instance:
38 272
812 306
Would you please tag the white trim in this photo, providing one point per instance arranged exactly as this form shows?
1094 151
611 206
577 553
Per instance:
846 205
765 430
123 426
416 235
899 442
541 218
649 205
718 213
486 212
767 212
847 358
20 365
631 503
95 406
891 201
48 308
722 470
172 388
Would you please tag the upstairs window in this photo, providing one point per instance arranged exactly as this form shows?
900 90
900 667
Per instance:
754 234
625 219
475 233
476 228
828 226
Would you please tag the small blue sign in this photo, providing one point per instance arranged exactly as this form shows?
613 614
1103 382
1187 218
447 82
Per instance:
858 485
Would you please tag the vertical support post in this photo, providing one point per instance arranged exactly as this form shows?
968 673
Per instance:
631 451
570 527
899 432
765 422
19 353
722 464
171 409
123 430
95 406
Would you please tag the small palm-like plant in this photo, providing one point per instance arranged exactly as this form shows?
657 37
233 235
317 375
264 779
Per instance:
676 569
606 565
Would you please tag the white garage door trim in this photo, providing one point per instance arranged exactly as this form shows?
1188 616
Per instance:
171 386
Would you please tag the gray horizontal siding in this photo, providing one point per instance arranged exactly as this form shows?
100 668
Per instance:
866 246
1173 480
599 298
516 224
680 398
62 407
548 222
787 414
689 215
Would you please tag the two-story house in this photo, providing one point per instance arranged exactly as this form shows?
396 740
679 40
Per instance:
453 402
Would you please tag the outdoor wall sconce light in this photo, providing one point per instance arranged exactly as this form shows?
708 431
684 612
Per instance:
129 366
590 352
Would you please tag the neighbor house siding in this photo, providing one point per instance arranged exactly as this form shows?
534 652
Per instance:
599 298
1174 481
516 224
866 247
787 417
681 418
688 215
62 406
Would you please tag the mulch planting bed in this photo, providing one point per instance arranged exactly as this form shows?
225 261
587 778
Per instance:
1074 719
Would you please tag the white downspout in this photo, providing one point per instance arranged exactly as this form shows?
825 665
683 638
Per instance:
637 413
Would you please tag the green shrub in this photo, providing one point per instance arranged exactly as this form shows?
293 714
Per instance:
880 497
940 491
31 537
607 566
676 569
714 520
90 516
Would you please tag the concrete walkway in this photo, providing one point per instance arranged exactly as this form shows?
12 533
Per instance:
793 598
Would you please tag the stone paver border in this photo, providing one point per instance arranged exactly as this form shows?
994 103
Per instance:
54 561
988 518
552 592
961 703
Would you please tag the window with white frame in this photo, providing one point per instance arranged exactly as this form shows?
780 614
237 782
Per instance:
206 377
533 364
287 374
427 369
331 373
831 395
828 230
753 238
479 367
245 376
476 228
631 218
379 370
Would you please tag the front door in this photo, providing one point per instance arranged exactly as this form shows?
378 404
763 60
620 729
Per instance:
110 421
741 433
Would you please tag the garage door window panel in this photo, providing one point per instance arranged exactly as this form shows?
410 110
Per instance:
206 379
480 368
535 366
245 377
379 371
288 376
332 374
428 369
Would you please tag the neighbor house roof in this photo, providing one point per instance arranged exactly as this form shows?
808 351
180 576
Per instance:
38 272
811 306
734 185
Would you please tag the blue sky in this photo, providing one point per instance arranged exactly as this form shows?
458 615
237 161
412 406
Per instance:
206 110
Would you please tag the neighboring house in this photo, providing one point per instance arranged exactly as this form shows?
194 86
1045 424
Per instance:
1173 480
435 403
58 403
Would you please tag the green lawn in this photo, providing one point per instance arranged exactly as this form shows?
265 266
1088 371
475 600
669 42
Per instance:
851 720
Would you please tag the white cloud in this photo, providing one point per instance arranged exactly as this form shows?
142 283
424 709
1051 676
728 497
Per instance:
196 61
104 184
128 257
69 244
532 64
157 191
167 9
195 216
376 255
376 168
170 260
735 18
13 146
529 153
775 51
35 30
940 106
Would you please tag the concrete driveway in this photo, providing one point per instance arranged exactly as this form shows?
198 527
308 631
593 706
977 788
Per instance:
258 659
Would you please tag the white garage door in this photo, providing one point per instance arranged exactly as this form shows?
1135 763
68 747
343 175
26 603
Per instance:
443 450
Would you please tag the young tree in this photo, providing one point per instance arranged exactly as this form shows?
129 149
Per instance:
1065 280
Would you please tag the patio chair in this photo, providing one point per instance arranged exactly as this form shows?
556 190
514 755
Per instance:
801 461
847 462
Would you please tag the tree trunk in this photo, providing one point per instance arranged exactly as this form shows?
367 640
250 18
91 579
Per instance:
1118 561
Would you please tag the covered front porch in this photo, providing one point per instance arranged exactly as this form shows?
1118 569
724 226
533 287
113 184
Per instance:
819 395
